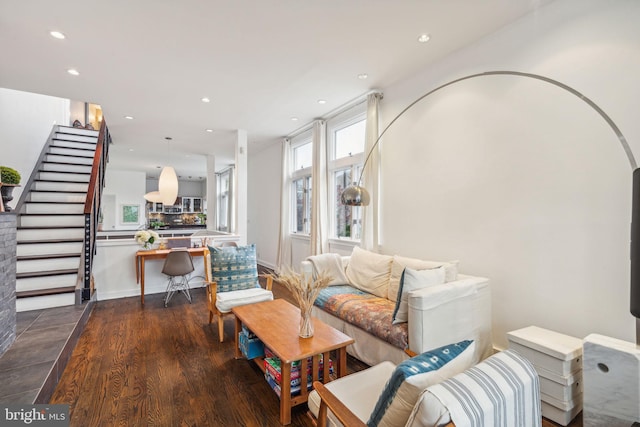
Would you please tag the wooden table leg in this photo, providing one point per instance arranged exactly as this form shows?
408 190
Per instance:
142 280
341 363
285 393
238 327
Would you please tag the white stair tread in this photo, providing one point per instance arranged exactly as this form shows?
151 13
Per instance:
49 249
42 265
47 301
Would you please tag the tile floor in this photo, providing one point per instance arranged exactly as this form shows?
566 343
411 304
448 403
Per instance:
32 366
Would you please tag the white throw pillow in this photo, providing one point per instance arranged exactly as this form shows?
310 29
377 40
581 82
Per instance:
369 271
400 263
413 280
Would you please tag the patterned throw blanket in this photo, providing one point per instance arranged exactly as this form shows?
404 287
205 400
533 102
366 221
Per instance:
366 311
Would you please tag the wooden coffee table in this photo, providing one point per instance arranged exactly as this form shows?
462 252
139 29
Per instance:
277 323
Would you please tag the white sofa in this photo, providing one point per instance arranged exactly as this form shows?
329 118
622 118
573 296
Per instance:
456 310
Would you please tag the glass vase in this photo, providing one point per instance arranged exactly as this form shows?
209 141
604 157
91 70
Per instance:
306 324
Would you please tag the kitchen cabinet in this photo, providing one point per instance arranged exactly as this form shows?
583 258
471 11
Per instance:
155 207
191 204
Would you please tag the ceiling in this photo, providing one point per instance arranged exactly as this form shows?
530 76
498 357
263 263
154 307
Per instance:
260 62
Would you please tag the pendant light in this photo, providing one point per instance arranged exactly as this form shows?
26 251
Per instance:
167 185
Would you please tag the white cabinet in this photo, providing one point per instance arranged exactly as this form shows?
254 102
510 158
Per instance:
192 205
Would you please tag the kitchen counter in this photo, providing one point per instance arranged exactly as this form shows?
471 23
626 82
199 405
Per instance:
186 230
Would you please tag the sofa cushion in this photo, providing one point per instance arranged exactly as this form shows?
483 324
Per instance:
234 268
366 311
330 264
400 263
412 280
412 376
370 271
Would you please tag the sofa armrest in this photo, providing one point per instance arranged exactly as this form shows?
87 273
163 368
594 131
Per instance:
452 312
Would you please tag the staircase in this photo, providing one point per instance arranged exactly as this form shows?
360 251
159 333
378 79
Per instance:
53 223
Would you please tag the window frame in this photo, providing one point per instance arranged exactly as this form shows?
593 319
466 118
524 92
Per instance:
306 175
354 162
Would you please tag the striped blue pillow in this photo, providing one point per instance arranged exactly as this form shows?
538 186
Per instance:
234 268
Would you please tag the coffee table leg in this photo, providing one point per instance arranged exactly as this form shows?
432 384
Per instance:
285 394
341 362
237 338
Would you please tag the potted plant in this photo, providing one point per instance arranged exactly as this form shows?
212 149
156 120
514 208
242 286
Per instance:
10 179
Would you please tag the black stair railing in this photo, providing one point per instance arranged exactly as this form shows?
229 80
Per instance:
84 287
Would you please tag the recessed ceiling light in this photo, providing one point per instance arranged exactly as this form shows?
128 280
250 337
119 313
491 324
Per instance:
294 119
363 76
209 130
205 99
73 72
322 101
128 117
57 35
424 38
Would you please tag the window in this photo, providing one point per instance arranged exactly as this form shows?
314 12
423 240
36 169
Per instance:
302 197
225 197
302 154
346 136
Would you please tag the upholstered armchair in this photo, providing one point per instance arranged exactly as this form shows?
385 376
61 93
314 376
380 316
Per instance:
502 391
231 274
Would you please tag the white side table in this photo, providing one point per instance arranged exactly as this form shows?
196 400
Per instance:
558 360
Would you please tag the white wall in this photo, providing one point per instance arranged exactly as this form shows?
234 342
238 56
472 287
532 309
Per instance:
520 180
185 188
264 171
26 120
126 188
115 273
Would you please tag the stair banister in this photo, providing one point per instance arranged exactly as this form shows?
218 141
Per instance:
92 203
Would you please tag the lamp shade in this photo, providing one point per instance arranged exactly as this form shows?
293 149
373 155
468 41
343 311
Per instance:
354 195
168 185
153 196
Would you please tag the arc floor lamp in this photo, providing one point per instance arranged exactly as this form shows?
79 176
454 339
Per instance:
357 195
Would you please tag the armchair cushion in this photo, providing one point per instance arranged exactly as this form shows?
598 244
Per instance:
225 301
412 376
360 390
234 268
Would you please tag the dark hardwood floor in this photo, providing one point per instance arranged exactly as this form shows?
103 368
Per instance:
157 366
160 366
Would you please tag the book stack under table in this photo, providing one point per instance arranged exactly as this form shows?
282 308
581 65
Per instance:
273 375
558 360
252 348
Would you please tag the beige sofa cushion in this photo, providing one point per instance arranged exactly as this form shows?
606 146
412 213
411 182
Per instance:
370 271
400 263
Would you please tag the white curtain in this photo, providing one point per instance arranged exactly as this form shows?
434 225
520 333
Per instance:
284 260
371 176
319 192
